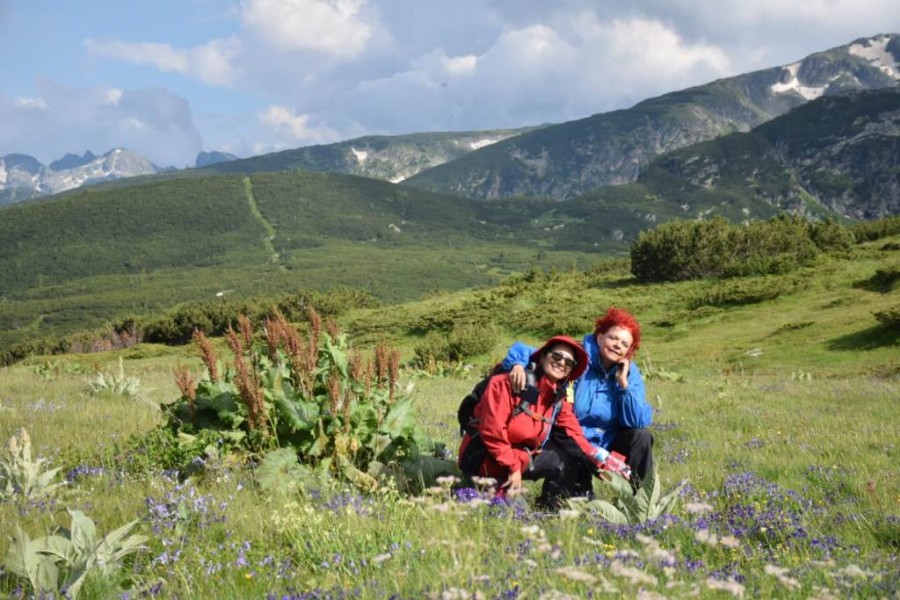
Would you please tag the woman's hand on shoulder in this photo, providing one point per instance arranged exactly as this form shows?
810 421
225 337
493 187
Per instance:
517 378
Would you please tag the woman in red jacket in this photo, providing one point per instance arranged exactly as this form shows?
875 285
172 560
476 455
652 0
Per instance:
534 434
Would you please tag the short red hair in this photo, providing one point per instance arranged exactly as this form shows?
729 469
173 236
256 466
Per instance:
618 317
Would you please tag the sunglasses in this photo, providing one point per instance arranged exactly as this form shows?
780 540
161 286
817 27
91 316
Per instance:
560 357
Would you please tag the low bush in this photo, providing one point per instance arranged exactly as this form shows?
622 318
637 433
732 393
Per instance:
874 230
682 250
317 397
737 292
889 317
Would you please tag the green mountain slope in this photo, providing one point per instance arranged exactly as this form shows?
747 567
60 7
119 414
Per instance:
391 158
569 159
76 260
837 155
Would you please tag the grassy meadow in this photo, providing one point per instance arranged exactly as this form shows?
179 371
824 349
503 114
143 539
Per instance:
776 398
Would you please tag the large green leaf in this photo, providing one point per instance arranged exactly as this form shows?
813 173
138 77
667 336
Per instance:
83 533
55 545
115 546
24 559
608 512
280 470
379 444
297 414
227 407
320 445
364 418
335 354
363 481
400 419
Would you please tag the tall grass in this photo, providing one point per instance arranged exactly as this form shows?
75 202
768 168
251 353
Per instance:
781 414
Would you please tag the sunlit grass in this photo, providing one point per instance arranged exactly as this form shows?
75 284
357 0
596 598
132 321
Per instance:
781 415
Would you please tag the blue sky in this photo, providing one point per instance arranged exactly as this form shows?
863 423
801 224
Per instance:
168 79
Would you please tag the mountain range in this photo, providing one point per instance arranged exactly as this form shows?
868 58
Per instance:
560 161
145 244
391 158
565 160
23 177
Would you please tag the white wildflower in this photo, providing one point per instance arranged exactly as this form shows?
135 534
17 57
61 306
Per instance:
729 585
632 574
705 537
557 595
697 508
854 571
729 541
781 573
447 480
577 575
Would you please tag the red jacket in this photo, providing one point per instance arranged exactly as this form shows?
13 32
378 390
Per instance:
511 440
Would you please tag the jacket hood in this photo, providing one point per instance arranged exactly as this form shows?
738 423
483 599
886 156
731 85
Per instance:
593 351
580 355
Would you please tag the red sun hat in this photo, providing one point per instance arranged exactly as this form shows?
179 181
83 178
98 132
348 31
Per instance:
581 357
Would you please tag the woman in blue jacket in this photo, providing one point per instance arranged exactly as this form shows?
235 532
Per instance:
610 401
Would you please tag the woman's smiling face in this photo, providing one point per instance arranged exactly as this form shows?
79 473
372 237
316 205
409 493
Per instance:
558 362
614 345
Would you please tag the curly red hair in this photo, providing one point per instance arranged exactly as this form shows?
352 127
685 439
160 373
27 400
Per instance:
618 317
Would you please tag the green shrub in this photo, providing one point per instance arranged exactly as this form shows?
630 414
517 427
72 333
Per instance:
831 236
889 317
471 339
737 292
318 397
432 350
874 230
682 250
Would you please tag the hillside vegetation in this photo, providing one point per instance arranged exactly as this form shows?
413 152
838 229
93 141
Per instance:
75 261
837 154
390 158
569 159
779 411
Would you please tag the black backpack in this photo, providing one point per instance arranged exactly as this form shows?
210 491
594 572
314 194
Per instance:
465 414
470 461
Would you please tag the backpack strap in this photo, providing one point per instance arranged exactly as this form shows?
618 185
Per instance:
561 394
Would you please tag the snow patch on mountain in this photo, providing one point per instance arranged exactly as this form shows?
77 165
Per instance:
361 155
17 171
792 84
475 145
875 51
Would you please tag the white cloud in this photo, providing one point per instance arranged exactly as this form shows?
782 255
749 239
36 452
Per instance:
335 69
461 65
30 103
62 119
210 63
294 129
572 67
333 27
641 54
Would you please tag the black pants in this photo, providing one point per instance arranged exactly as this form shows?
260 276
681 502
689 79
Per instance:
563 475
637 446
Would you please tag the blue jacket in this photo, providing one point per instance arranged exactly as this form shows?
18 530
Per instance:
601 406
